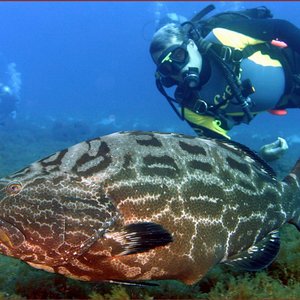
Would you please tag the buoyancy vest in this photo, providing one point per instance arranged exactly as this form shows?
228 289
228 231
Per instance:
265 74
268 69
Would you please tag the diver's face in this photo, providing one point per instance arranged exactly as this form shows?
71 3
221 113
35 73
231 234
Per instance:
178 58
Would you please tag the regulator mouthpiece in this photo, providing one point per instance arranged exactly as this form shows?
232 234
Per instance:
191 77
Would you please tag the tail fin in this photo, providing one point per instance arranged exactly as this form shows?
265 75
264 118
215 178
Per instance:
295 171
293 179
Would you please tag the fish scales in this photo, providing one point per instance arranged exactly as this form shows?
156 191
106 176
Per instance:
143 205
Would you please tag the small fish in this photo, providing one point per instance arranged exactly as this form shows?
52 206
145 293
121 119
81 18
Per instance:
137 206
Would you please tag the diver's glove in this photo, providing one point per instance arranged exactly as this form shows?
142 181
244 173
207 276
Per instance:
274 150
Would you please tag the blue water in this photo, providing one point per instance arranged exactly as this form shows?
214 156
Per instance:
85 69
90 61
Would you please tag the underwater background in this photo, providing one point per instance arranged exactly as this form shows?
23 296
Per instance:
83 69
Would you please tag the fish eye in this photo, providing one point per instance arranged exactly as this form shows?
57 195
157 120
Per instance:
14 188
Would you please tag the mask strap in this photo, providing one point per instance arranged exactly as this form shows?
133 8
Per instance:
169 99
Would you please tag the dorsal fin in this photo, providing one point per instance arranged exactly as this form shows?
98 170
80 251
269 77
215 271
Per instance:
260 163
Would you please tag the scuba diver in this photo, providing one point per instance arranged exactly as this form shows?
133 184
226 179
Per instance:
8 103
162 16
9 94
228 68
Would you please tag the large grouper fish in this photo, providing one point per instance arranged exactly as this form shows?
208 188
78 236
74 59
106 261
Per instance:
136 206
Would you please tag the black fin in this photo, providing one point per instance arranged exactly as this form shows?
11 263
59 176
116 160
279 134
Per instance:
261 164
206 10
132 283
141 237
258 256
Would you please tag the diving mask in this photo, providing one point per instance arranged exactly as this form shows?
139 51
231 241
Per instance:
173 60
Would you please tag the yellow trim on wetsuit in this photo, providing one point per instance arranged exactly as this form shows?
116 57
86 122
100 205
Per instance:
264 60
205 121
240 41
234 39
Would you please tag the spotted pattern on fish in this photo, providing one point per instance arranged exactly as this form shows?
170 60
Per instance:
143 205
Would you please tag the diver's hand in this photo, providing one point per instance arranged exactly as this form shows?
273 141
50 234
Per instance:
274 150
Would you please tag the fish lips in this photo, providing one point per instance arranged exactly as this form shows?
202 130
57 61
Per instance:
10 237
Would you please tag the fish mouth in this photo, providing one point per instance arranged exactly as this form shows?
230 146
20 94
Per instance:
10 237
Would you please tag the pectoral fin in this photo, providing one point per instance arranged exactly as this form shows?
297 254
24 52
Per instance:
139 237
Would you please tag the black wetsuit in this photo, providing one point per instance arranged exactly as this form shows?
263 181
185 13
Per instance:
260 29
267 30
283 30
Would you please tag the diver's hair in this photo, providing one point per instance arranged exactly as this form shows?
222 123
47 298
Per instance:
166 35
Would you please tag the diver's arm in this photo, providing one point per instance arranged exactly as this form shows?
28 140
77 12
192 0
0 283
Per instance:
267 30
202 131
204 125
